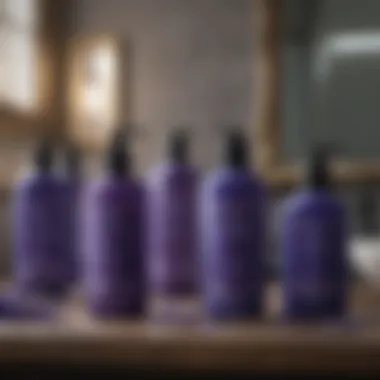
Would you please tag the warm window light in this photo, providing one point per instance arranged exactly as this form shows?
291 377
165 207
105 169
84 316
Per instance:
103 61
18 42
97 101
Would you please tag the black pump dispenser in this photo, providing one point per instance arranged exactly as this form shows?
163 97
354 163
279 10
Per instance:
317 174
368 214
118 158
235 149
44 155
178 146
72 159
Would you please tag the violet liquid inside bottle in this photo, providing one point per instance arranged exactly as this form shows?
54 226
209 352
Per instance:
172 222
233 238
113 262
39 229
313 250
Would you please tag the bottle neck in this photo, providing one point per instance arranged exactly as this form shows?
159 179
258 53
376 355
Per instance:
178 152
318 188
237 160
118 162
178 160
238 166
44 170
317 177
120 172
236 152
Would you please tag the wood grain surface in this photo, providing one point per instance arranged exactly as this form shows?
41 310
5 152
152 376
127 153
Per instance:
182 340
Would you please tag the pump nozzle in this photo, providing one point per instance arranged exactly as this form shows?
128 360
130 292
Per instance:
235 149
317 172
118 155
72 158
44 154
178 145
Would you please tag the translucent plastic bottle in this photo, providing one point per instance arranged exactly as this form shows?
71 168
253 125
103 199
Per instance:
114 262
233 236
313 248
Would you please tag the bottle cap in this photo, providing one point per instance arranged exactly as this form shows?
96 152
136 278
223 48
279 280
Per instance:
178 145
44 154
235 148
118 155
72 158
317 173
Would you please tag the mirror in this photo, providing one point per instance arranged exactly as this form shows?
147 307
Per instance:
317 75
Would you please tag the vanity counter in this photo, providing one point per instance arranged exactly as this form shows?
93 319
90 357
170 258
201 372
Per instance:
190 344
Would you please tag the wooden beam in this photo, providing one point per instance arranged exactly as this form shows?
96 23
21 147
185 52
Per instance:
52 70
267 82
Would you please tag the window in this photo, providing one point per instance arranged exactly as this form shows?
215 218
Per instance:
18 54
95 92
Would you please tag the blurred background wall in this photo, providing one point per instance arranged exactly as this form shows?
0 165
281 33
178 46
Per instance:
193 64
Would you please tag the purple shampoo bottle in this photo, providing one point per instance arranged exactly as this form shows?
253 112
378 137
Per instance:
72 177
113 266
312 244
233 237
39 230
172 222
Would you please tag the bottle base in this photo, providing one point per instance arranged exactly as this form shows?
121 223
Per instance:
109 311
304 314
221 313
43 289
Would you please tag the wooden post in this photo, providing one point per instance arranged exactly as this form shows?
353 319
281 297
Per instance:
267 24
55 16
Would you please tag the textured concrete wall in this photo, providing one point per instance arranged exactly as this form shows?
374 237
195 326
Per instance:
192 64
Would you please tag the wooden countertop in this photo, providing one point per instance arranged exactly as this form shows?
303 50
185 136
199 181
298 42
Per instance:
192 344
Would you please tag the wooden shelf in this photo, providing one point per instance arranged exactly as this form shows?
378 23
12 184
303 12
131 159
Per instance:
349 346
344 173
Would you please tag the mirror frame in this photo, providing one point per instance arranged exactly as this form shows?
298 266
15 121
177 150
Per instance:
267 148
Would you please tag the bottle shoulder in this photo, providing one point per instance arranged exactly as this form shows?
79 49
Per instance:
39 182
312 201
114 185
233 180
167 171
